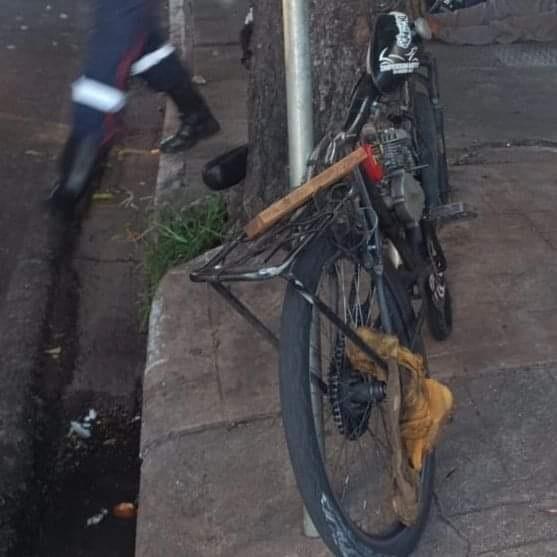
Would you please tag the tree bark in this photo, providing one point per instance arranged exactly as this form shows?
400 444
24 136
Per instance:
267 129
339 37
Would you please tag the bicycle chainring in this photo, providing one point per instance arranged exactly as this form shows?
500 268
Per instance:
351 417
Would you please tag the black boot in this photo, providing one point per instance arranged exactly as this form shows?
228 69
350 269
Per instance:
197 121
79 163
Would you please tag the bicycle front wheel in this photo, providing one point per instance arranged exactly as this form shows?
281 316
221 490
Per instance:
337 442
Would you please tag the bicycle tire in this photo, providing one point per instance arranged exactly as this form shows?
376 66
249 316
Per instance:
440 319
428 150
439 316
343 537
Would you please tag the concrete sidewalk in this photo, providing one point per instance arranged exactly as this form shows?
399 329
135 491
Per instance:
216 480
215 469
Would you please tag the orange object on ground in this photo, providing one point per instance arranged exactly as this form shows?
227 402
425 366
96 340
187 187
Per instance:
426 403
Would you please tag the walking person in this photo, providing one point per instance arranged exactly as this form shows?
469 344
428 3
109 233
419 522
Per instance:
126 41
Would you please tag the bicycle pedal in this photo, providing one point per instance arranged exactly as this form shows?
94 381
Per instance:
452 212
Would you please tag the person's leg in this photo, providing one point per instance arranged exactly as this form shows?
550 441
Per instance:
98 96
161 68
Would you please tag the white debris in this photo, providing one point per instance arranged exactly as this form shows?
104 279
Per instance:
81 430
24 27
92 416
63 16
97 518
11 47
128 203
48 7
249 17
199 80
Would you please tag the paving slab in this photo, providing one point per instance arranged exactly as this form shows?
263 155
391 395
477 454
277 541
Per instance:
228 373
547 549
216 56
223 483
489 101
209 16
502 265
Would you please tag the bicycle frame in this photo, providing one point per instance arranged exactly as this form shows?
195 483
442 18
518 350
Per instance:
376 223
371 254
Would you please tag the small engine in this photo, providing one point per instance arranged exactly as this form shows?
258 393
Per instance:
401 191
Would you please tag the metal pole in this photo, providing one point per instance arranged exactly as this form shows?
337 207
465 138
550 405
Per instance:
299 96
297 55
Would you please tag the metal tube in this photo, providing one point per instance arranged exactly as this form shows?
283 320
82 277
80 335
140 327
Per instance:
299 98
316 401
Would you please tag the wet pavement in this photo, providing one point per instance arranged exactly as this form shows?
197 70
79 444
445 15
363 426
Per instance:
74 289
39 46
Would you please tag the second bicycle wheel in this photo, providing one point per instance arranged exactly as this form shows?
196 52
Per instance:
343 471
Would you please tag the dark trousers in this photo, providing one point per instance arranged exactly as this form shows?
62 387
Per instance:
126 41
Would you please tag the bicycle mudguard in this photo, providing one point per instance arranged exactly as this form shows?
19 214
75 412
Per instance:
227 169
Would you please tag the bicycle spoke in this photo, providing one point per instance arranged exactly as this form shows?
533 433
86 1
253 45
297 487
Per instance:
356 449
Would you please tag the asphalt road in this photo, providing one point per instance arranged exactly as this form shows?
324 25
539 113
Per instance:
39 46
39 56
75 288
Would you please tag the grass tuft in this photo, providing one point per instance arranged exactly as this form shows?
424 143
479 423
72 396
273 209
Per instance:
179 236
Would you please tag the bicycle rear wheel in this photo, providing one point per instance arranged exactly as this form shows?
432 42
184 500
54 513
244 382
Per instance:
343 473
428 145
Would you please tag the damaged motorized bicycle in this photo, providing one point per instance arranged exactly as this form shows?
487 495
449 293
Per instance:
358 248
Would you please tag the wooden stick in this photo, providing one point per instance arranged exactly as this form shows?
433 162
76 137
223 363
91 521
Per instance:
297 197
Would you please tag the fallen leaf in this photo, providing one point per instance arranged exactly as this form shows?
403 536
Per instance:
81 430
125 511
103 196
199 80
550 511
91 416
97 518
125 151
450 473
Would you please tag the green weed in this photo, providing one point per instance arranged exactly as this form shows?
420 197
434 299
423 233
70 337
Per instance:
178 236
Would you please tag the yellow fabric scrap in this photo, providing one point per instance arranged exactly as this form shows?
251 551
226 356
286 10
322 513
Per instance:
426 403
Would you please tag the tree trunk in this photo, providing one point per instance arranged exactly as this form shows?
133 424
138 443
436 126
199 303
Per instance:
267 129
339 37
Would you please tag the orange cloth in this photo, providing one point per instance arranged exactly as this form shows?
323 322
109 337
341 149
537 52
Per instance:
426 403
